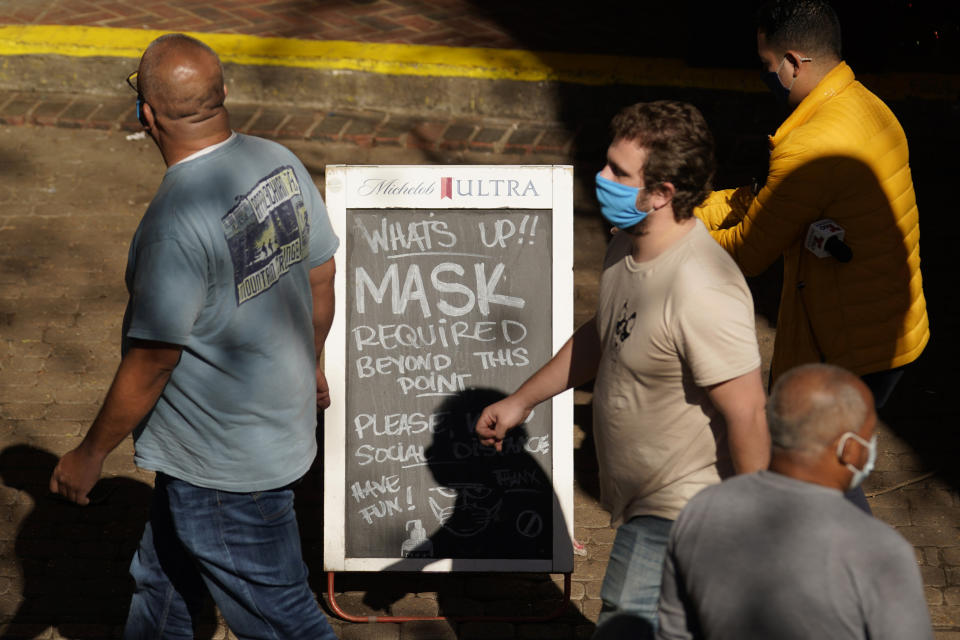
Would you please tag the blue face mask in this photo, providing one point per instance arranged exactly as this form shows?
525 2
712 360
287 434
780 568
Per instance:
618 203
859 474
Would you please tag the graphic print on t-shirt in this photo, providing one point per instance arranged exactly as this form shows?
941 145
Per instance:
624 326
267 233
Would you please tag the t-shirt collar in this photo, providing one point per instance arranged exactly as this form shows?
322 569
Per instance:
205 150
672 250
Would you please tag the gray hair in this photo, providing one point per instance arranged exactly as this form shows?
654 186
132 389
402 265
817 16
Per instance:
811 405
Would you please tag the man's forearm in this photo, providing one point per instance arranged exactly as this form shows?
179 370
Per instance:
574 364
322 292
749 442
741 401
321 327
140 379
141 376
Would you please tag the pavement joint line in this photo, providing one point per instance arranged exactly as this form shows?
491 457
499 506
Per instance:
436 61
10 98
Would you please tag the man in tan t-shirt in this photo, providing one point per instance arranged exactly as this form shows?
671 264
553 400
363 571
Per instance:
678 401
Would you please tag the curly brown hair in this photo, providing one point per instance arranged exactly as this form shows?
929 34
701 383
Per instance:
679 148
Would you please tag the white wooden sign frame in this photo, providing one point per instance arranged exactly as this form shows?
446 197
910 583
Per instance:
422 187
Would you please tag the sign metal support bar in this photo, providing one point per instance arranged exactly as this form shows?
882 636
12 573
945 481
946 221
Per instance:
343 615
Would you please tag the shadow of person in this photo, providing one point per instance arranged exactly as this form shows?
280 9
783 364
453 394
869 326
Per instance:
488 504
73 560
485 505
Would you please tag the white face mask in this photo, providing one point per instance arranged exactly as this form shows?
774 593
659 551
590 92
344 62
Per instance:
858 474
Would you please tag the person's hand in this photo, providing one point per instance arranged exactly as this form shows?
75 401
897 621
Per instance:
75 475
498 418
323 390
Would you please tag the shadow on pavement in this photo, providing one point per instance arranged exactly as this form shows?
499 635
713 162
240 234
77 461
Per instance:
74 560
483 521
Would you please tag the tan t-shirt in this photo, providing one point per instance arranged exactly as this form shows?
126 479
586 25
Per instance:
669 328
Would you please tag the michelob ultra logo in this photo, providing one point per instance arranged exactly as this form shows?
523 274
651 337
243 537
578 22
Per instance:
485 187
394 187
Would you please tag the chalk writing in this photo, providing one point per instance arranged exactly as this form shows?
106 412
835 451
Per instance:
380 509
422 235
534 445
522 478
397 424
503 230
372 488
393 336
440 305
413 290
368 366
503 358
399 452
434 383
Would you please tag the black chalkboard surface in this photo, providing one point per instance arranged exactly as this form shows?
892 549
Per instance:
442 311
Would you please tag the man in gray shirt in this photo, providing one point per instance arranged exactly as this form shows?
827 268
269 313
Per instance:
230 275
780 553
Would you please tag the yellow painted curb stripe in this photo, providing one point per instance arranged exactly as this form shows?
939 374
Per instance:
389 59
419 60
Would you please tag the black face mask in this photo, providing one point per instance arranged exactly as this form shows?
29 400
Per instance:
772 80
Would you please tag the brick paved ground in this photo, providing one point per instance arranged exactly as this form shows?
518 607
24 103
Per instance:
439 22
361 128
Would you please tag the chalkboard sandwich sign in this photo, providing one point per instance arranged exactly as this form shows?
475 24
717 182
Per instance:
454 284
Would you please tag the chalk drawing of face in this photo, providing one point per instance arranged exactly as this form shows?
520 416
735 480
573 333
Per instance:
443 513
474 509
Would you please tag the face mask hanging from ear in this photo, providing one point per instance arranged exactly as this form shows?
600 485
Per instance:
859 475
772 80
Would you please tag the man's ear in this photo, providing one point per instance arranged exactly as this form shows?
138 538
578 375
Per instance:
662 195
796 59
852 452
149 117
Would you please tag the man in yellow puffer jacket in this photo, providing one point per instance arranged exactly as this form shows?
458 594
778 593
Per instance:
840 155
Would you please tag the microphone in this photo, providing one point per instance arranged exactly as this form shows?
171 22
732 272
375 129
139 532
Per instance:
825 239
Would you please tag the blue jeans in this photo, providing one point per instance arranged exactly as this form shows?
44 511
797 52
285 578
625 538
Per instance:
631 586
242 548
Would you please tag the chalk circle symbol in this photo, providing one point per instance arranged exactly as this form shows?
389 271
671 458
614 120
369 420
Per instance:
529 523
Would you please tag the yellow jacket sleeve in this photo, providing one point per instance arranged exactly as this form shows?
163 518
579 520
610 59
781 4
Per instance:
781 212
723 209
